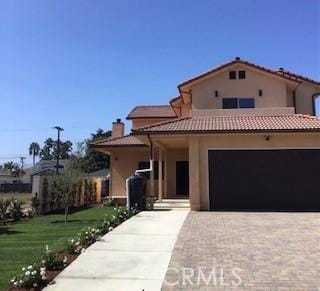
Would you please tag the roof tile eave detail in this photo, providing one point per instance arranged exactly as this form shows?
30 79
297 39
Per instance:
125 141
235 124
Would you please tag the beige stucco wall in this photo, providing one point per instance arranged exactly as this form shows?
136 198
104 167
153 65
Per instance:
239 141
304 99
274 89
123 164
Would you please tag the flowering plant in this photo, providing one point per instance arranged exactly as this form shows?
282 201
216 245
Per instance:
52 262
32 276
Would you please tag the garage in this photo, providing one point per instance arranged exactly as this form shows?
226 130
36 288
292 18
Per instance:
270 180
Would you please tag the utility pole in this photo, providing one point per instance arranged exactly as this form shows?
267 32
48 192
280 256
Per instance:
58 128
21 169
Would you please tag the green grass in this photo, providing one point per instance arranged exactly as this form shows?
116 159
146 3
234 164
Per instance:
23 243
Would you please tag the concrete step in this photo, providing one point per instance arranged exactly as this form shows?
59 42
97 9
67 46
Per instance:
172 204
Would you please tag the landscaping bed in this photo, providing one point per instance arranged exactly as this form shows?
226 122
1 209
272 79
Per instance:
24 243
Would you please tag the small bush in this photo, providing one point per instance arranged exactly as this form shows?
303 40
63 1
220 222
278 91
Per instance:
52 262
32 276
15 209
4 209
35 204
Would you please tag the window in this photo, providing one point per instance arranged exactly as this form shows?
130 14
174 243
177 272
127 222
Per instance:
231 103
232 75
246 102
242 74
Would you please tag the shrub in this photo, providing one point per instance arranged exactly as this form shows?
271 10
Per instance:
32 276
15 209
52 262
35 204
45 205
4 208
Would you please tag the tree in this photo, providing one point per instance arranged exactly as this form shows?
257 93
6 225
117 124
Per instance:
66 183
34 150
50 150
47 150
92 160
11 167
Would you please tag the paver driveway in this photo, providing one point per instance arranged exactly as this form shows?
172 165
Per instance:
246 251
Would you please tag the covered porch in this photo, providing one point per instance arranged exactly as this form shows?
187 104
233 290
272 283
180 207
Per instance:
175 175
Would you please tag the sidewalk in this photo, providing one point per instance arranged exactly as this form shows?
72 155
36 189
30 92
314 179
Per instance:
134 256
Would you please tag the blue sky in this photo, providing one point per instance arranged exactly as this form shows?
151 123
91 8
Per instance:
82 64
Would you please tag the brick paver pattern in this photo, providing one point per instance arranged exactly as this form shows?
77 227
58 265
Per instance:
267 250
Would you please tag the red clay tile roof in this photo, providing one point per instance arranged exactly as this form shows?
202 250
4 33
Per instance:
152 111
286 75
125 141
296 76
296 122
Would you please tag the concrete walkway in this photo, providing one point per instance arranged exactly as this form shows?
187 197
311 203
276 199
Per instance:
134 256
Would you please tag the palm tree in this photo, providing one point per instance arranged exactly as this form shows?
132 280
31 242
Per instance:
34 150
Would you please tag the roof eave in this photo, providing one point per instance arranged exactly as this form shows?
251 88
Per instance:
224 131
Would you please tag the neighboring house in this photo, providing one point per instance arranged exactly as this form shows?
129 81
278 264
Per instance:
103 174
44 168
6 178
239 136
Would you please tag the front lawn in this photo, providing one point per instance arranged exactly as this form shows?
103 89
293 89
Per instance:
23 243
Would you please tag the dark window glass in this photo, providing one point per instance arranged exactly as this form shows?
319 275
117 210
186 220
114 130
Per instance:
229 103
242 74
232 75
246 102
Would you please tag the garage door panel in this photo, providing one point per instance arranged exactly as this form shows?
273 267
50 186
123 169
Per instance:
264 180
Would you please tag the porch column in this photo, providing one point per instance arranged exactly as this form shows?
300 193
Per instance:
152 176
165 180
194 172
160 174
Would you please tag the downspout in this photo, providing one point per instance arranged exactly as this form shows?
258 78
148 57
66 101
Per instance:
137 172
150 169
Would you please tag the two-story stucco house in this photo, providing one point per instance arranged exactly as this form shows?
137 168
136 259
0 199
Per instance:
239 136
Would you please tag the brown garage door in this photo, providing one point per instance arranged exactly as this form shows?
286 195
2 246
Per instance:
264 180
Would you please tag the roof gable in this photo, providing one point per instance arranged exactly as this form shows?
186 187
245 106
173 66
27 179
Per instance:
237 61
152 111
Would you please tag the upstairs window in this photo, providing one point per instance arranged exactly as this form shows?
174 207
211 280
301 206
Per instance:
242 74
232 75
229 103
232 103
246 103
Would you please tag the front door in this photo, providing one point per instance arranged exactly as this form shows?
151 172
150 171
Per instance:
182 178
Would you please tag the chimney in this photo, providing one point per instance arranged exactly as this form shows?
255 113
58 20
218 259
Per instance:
117 129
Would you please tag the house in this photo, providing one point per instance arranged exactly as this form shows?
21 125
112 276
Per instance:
237 137
6 178
46 167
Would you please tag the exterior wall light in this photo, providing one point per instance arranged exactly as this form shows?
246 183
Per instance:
216 93
267 137
260 92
